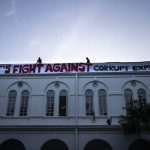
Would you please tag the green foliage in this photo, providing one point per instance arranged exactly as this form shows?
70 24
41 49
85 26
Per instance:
137 118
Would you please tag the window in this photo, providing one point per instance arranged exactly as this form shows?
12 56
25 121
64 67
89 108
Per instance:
50 103
11 103
89 102
63 96
102 102
24 103
128 97
141 95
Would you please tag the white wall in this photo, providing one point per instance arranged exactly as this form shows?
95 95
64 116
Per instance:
114 84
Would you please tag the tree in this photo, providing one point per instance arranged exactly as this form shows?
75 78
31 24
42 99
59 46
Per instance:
137 119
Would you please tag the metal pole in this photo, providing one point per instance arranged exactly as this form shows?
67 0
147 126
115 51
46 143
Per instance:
76 112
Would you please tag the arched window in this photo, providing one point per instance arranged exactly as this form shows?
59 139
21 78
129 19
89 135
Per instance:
24 103
89 102
128 94
141 95
63 96
50 103
11 102
102 94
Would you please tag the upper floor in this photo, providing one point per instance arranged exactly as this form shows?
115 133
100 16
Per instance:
69 99
84 98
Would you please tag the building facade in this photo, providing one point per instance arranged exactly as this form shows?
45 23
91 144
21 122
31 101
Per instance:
74 106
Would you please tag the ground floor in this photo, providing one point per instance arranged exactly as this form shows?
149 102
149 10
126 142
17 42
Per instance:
83 138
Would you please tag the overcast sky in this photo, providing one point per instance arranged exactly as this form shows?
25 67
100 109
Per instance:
62 31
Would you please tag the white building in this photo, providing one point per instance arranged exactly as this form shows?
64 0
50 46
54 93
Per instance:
67 106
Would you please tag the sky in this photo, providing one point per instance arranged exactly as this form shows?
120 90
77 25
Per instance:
66 31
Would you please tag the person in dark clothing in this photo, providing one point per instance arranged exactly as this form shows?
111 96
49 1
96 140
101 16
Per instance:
88 61
39 61
109 121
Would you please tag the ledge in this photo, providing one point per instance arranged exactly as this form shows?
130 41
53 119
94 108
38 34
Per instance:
42 128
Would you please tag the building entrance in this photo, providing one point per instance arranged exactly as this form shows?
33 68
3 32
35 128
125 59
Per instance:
97 145
12 144
54 145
